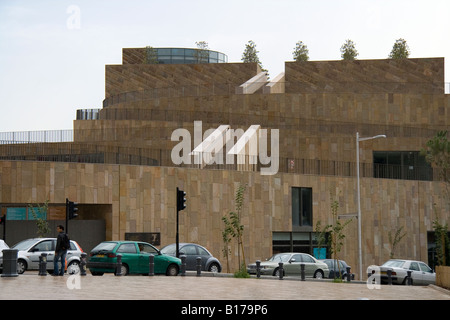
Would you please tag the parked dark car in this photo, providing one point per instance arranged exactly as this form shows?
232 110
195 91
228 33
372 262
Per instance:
192 251
338 272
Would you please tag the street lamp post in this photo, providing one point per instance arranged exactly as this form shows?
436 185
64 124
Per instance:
358 139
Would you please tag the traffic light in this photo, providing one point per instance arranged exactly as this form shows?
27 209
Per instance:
2 219
181 200
71 208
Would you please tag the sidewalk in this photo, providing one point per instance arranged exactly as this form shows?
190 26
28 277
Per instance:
206 287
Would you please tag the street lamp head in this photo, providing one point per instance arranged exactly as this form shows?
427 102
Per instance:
370 138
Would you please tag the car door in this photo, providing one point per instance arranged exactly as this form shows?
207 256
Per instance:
45 246
310 265
202 253
416 274
428 276
190 251
292 267
130 256
145 250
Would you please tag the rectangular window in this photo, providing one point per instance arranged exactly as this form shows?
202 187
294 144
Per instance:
305 242
177 52
301 207
213 55
406 165
163 51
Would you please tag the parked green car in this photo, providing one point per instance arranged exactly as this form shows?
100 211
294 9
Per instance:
135 259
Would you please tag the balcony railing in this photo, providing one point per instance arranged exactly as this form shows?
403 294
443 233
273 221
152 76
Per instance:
20 137
90 153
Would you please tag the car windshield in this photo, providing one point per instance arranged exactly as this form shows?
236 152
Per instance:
280 257
104 247
24 245
394 263
170 249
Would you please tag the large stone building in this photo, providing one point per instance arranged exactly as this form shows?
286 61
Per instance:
123 167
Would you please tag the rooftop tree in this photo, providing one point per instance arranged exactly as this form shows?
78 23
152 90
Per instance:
250 54
400 50
202 52
301 52
348 51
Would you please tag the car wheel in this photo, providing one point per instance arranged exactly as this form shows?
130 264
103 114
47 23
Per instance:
73 267
276 272
123 270
172 270
405 281
214 267
21 266
318 274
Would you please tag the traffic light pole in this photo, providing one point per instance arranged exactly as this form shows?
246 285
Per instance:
3 222
180 206
178 236
67 216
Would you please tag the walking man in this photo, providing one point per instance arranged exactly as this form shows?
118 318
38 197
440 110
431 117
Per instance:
62 244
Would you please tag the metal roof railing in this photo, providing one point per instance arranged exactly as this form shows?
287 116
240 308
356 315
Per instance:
20 137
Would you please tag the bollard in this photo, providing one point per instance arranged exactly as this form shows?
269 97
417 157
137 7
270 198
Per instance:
83 264
409 272
349 275
258 268
9 263
389 275
302 271
151 265
199 266
119 265
183 265
43 264
280 270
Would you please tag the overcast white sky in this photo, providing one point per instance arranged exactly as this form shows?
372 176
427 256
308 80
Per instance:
53 53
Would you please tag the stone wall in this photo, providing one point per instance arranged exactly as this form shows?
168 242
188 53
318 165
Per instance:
367 76
138 77
143 200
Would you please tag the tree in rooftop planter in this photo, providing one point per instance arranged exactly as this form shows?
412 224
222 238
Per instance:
348 51
250 54
301 52
400 50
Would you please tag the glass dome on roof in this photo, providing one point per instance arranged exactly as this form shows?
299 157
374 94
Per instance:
186 55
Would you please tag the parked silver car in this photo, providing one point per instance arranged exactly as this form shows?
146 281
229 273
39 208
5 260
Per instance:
29 251
291 265
421 273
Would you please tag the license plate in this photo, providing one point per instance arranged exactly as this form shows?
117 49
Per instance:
100 256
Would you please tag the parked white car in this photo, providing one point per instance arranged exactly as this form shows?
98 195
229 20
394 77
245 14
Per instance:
421 273
3 245
29 251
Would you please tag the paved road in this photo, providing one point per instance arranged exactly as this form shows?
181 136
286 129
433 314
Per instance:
110 287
